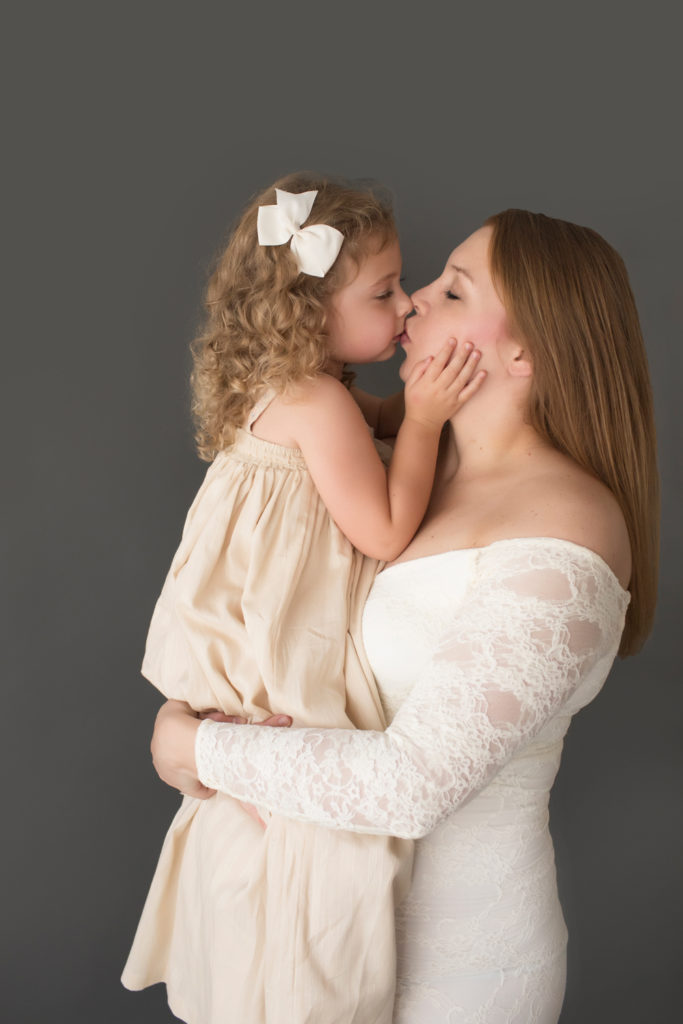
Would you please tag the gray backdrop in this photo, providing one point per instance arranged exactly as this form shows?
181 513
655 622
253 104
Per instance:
134 133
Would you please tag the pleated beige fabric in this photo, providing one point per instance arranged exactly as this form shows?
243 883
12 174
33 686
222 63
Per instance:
293 924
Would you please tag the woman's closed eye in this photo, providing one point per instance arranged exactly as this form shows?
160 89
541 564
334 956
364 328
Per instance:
451 295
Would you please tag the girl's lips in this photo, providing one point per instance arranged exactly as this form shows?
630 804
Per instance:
405 338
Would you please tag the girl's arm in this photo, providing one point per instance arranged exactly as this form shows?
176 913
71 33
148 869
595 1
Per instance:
379 510
535 623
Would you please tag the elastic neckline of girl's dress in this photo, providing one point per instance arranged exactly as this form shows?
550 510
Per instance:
279 454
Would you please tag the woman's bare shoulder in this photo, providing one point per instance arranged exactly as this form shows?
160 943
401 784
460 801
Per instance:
563 500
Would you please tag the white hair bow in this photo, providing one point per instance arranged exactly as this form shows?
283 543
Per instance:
315 248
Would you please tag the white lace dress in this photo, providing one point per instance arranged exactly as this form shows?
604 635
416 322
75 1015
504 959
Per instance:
482 656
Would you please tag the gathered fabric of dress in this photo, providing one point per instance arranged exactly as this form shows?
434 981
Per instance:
294 922
482 656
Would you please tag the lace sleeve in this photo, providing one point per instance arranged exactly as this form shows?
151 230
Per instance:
534 623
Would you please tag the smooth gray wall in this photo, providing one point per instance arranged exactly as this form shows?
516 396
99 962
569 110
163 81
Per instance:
134 134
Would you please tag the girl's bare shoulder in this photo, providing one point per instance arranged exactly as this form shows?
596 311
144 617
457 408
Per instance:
323 398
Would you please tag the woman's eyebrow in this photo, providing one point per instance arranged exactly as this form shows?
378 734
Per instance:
461 270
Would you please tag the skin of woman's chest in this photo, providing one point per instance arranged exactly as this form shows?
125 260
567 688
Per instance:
546 497
462 515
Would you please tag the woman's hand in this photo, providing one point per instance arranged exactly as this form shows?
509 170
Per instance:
218 716
172 748
173 739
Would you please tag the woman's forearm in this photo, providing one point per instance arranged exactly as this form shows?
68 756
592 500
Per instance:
391 413
511 659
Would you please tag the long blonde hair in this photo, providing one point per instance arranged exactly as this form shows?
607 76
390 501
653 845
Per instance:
568 296
265 324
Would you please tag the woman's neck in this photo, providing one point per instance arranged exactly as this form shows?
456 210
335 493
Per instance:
492 440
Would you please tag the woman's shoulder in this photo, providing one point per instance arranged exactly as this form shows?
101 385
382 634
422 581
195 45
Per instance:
563 500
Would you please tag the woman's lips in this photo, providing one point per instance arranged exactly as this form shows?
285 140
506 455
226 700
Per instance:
404 339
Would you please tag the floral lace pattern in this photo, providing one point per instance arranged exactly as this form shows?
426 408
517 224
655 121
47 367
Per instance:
481 657
538 620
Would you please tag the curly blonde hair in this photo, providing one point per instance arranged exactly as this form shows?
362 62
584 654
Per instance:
265 325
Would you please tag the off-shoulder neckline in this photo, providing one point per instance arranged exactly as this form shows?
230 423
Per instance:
513 540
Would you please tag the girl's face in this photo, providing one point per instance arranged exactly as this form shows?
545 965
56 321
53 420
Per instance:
462 303
366 317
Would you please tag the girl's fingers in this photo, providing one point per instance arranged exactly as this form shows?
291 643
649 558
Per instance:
473 385
435 364
461 358
452 366
443 357
450 361
466 369
459 370
419 370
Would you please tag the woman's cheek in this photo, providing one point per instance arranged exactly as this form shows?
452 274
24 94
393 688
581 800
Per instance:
484 334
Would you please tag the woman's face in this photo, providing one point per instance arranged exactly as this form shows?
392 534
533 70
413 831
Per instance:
462 303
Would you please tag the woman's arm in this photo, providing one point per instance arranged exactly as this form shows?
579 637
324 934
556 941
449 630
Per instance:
384 415
391 415
369 405
173 743
534 622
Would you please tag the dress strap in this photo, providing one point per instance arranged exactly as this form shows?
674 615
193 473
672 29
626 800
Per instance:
261 406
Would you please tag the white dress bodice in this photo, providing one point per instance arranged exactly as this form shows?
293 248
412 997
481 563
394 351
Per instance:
481 657
488 865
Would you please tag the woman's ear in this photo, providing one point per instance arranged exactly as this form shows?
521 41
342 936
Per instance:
519 364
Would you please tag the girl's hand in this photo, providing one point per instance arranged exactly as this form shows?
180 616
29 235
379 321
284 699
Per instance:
440 385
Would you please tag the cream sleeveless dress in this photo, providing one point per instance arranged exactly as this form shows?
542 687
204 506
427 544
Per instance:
294 923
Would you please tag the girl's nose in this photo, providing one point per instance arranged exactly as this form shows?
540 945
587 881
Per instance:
406 304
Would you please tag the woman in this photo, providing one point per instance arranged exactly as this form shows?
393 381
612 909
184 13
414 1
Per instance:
498 622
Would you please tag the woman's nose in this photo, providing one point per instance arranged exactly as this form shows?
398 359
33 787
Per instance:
419 301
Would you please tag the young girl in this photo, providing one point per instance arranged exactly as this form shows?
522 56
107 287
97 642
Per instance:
256 610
